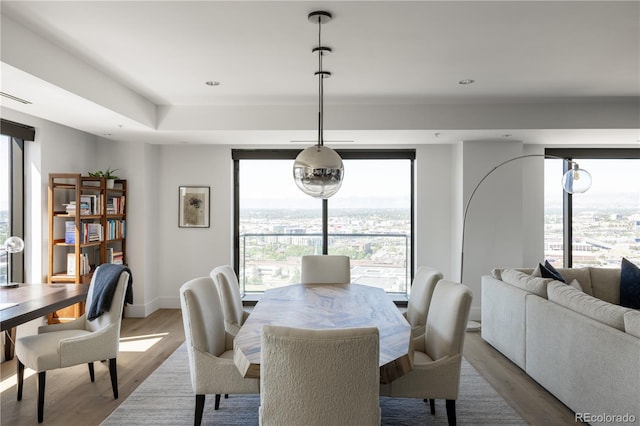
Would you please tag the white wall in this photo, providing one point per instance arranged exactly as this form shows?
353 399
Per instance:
187 253
138 163
433 218
505 221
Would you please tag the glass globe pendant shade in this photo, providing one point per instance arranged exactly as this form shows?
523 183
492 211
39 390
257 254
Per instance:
318 171
576 180
14 245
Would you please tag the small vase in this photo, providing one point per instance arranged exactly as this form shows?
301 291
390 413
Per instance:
110 183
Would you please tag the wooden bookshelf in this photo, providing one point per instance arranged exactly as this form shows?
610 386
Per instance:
82 211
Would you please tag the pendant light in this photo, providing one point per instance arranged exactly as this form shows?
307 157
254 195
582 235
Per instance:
318 170
576 180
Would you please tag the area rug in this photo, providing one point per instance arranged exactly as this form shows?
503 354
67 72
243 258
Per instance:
166 398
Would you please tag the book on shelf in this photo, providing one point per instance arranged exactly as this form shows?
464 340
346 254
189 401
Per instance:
71 264
115 229
94 232
70 232
118 258
115 205
85 267
71 208
93 203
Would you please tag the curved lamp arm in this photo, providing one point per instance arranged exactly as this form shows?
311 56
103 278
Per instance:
573 173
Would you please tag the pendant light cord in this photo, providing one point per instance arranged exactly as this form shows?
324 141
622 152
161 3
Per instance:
320 86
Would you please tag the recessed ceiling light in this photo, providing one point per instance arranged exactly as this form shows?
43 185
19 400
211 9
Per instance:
212 83
466 81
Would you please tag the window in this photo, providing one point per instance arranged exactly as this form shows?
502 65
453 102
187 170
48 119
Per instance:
11 196
603 224
370 219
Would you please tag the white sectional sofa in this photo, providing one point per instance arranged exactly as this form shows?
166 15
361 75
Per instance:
579 345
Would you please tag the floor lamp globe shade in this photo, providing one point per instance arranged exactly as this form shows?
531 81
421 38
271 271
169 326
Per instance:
576 181
14 245
318 171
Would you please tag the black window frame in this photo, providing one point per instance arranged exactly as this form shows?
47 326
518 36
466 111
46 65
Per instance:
17 134
567 202
345 154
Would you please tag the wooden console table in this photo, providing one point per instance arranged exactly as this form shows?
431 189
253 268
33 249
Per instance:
321 307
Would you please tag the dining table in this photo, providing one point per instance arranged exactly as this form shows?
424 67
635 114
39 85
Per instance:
324 307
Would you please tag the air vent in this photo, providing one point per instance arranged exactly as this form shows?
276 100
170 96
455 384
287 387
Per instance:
327 141
15 98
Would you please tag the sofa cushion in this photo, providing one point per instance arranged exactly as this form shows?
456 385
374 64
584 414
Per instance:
535 285
583 275
632 323
548 271
577 301
496 273
629 285
606 284
576 284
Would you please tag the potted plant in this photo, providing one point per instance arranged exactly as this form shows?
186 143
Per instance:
109 174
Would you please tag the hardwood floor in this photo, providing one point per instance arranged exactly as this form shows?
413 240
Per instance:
71 399
525 395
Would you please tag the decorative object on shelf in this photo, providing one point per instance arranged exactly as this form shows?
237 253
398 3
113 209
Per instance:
318 170
12 245
108 174
193 210
574 181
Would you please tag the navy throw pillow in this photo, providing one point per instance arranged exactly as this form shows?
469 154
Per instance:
548 271
629 285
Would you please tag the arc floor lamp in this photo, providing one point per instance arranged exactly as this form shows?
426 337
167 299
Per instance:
575 180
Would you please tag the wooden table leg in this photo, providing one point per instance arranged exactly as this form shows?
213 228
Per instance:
9 339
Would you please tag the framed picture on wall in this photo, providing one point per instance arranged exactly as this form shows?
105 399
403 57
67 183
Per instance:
193 207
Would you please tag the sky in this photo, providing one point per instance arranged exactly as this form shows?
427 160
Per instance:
610 180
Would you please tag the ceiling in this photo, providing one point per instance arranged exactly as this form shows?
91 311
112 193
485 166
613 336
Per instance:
136 71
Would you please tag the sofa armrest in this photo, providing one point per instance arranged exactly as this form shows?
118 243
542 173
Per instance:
503 318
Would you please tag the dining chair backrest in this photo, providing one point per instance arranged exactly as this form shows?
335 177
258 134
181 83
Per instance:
226 283
325 269
319 377
114 314
202 316
422 287
447 320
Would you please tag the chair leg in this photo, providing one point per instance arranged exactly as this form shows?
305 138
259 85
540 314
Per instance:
451 412
41 382
432 405
91 372
20 379
199 409
215 407
113 372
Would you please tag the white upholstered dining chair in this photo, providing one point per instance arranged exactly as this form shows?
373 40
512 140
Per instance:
319 377
228 288
81 341
325 269
437 356
424 282
209 346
